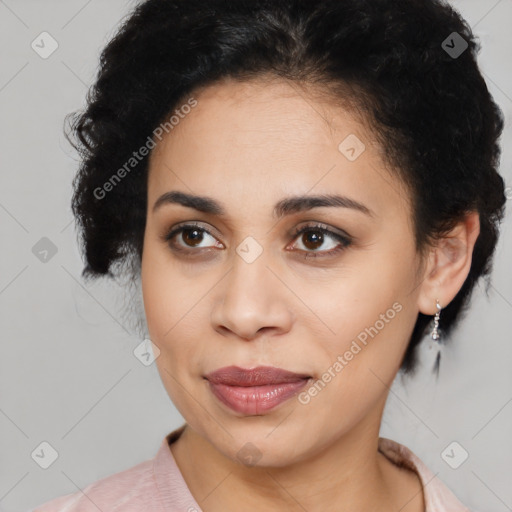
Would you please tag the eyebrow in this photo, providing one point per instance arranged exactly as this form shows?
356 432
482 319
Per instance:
286 206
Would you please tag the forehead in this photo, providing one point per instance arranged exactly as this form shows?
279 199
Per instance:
259 141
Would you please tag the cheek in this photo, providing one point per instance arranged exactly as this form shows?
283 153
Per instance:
372 315
155 298
360 365
171 303
161 288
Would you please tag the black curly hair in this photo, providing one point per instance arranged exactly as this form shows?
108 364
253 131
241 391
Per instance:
429 108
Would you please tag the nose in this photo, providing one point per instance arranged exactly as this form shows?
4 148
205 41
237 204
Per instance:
252 301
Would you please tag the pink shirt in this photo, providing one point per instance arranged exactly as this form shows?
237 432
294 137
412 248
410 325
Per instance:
157 485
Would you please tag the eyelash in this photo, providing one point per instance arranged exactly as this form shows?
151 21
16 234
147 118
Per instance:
344 240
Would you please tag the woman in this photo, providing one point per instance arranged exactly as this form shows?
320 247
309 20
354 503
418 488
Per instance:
305 191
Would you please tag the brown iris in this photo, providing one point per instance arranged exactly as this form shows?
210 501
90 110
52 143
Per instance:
313 237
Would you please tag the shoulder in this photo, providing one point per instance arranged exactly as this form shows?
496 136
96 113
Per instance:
153 485
130 490
438 498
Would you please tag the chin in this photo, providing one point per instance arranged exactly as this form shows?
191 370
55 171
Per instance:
260 446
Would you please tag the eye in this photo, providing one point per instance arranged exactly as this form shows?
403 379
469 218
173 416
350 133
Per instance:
192 235
317 234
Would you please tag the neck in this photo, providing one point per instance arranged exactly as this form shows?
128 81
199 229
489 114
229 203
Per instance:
349 473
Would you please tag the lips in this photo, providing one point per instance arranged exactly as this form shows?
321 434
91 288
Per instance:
254 391
259 376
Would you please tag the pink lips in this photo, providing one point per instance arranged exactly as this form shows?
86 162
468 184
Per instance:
256 390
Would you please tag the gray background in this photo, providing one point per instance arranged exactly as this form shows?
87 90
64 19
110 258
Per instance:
68 374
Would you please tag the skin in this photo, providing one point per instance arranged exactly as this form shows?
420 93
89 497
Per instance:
248 145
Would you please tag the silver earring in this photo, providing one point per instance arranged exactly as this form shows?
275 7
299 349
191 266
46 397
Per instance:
436 337
435 331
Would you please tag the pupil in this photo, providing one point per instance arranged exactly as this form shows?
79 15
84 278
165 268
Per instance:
317 240
197 238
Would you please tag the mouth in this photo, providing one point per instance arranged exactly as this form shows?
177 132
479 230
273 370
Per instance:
257 390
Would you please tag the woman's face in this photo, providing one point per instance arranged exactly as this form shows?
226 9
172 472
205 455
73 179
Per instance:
243 289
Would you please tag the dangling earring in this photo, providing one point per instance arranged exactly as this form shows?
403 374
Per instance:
436 337
435 331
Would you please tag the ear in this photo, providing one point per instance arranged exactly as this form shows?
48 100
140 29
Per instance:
448 265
